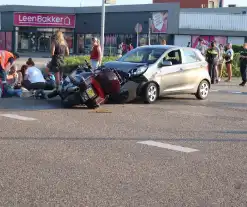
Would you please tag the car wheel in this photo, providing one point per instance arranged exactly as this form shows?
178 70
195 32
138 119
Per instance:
151 93
203 90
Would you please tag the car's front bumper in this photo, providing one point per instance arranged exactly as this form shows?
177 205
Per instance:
132 88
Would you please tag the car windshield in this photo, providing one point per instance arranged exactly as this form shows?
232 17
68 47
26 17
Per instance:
143 55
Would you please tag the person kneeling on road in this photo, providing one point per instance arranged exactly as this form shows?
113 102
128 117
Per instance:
7 59
34 79
212 55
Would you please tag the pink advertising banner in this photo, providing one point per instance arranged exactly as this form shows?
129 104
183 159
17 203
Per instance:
44 20
159 22
207 39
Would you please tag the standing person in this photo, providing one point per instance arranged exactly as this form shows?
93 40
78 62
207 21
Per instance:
59 49
243 64
221 61
228 59
7 59
130 47
120 50
124 48
212 55
201 47
163 42
96 54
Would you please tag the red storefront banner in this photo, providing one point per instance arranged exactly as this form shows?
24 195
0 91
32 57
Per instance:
44 20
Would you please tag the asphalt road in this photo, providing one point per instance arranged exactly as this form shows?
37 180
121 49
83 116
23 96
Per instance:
77 157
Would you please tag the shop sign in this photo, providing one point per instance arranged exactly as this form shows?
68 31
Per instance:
159 22
44 20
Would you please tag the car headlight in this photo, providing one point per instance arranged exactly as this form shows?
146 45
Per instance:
138 71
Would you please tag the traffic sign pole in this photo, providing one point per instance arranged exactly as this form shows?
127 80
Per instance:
149 30
137 35
102 38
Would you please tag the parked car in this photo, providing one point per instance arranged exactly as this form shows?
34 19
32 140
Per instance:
159 70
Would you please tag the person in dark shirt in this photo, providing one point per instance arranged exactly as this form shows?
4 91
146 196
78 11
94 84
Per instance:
212 55
243 64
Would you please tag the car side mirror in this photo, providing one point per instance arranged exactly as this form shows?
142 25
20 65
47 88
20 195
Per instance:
165 63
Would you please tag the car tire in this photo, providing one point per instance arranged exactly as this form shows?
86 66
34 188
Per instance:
203 90
150 93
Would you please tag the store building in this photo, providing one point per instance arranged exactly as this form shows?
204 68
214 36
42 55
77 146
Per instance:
29 28
194 3
228 24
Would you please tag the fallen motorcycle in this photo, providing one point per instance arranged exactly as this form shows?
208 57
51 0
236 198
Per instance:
86 87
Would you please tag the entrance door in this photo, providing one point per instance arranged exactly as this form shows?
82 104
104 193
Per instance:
44 41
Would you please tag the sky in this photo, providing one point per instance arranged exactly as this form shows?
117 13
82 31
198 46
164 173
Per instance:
97 2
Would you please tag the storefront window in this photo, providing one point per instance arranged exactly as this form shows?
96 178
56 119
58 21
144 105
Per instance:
39 39
111 44
143 40
163 37
80 44
8 41
154 39
70 41
2 41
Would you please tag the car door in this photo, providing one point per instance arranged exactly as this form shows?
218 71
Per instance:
192 67
171 76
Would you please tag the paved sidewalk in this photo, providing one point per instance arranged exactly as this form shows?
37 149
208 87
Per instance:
231 87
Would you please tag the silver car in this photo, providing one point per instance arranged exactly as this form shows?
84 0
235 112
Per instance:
159 70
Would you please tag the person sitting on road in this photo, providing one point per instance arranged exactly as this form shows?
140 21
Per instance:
33 79
49 78
13 85
13 78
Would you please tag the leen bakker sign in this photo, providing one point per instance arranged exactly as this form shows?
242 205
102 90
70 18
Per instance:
44 20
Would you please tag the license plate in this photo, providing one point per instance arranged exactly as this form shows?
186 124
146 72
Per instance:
90 92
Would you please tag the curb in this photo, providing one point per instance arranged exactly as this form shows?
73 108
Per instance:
231 92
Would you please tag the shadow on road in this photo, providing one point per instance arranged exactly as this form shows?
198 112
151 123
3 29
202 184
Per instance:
35 105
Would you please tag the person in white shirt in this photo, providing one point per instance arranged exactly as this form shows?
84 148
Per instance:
33 79
201 47
229 54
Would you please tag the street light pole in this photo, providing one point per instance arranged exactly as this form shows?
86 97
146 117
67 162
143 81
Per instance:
102 27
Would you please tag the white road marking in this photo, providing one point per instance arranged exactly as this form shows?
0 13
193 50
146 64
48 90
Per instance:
15 116
237 92
188 113
214 90
168 146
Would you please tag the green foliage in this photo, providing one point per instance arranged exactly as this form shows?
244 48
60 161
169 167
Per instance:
237 48
72 62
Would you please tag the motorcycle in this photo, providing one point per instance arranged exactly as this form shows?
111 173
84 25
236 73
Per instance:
86 87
